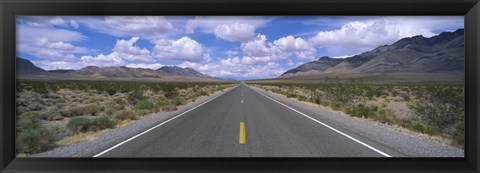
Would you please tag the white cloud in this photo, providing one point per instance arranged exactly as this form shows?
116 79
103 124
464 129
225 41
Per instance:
343 56
260 50
257 47
363 35
112 59
128 51
43 47
148 27
183 49
237 70
153 66
27 33
208 24
296 46
40 37
236 32
55 65
57 21
74 24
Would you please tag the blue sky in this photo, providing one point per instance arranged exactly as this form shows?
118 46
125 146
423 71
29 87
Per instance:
239 47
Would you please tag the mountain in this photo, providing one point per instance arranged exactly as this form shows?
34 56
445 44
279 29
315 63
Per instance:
179 71
321 65
441 53
60 71
27 70
117 72
24 66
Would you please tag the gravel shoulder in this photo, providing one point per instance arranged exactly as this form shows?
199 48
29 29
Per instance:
106 139
398 141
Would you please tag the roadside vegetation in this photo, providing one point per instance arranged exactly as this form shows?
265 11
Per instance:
50 111
433 109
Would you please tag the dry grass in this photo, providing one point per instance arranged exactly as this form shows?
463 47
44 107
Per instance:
88 136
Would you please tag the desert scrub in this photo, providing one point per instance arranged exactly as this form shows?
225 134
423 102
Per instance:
364 111
439 108
34 138
443 110
83 124
89 106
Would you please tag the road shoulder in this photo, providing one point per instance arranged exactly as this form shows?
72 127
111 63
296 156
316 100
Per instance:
402 142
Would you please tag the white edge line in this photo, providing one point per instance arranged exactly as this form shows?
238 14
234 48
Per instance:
150 129
348 136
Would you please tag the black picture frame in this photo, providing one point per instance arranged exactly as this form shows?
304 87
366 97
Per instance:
10 8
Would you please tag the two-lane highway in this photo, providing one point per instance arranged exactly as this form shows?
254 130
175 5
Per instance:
244 122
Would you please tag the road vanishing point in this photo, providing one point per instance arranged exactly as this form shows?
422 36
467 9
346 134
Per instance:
245 122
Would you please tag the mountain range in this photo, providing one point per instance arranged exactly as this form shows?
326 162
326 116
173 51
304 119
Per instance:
443 53
27 70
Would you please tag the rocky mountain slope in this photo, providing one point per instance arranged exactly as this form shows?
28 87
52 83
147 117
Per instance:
441 53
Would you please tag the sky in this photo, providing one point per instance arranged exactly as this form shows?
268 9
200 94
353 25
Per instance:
229 47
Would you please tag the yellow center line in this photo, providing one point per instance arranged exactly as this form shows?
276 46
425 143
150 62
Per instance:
243 135
241 101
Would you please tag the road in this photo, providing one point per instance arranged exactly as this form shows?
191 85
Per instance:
244 122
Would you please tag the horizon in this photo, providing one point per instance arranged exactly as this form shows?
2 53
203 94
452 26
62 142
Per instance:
241 48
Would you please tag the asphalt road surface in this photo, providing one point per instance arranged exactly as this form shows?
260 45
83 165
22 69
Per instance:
244 122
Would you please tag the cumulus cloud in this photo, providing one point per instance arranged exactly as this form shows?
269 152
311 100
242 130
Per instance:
260 50
297 46
101 60
128 51
258 47
237 69
183 49
362 35
55 65
236 32
124 52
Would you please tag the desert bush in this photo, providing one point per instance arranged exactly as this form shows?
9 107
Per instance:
35 138
291 95
103 122
162 102
28 118
92 109
440 108
177 101
386 116
203 93
119 116
52 114
36 106
361 110
131 115
458 134
135 95
144 105
79 124
302 98
73 111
